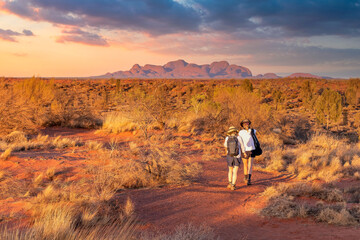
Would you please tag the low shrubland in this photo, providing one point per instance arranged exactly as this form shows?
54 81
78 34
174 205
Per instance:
90 207
18 141
323 157
325 203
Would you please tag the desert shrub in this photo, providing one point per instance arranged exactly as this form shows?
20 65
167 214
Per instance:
21 143
247 86
307 94
352 92
336 216
283 203
16 136
281 207
184 232
328 107
323 157
71 110
15 113
150 168
61 222
237 104
278 98
318 191
116 122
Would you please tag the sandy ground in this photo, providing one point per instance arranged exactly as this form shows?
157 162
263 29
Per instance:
231 214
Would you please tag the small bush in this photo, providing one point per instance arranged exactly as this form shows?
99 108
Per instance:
185 232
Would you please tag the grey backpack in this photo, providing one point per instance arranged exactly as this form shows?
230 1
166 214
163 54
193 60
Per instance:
233 146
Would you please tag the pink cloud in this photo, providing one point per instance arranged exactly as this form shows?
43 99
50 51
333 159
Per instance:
79 36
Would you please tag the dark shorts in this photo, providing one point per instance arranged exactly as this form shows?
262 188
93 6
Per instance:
251 154
232 161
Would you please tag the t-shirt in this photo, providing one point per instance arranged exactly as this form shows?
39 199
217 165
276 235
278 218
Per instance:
246 140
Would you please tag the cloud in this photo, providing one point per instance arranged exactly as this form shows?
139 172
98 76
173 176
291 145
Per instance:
259 52
79 36
155 17
292 17
9 35
28 32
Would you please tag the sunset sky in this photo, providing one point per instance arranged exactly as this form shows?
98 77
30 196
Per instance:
78 38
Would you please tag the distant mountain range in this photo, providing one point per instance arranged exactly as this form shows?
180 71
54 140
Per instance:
182 69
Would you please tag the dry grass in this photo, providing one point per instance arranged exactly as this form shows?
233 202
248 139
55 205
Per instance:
118 122
330 208
94 145
323 157
18 142
6 154
148 167
185 232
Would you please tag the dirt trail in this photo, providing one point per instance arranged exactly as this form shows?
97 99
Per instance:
232 214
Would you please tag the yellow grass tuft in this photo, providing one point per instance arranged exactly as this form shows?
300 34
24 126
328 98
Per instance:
38 180
2 175
94 145
6 155
15 137
117 122
129 207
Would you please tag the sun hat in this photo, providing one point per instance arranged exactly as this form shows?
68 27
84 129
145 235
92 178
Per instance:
245 121
232 129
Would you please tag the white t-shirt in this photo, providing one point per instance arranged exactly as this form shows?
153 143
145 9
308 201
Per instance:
239 144
246 140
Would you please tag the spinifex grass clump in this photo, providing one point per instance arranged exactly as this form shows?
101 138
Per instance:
323 157
331 206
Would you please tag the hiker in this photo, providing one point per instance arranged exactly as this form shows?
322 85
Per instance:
247 149
233 156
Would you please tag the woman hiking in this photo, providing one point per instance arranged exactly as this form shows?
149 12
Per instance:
247 146
233 155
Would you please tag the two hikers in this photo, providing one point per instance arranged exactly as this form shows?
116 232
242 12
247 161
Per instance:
247 141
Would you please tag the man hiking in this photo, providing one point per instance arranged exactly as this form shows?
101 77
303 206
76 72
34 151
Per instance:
233 156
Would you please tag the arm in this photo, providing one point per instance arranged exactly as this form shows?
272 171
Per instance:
225 145
242 146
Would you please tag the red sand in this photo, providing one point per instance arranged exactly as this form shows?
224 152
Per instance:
232 214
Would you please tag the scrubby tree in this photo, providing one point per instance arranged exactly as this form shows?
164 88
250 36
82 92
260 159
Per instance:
307 94
118 86
278 98
197 101
247 85
328 107
352 92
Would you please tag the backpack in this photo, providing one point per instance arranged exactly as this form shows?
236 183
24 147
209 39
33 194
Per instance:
258 150
233 146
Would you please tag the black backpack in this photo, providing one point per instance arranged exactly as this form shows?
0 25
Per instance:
233 146
258 150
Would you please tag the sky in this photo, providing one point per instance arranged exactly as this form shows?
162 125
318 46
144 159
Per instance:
79 38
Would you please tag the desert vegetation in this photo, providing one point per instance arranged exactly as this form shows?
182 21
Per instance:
308 128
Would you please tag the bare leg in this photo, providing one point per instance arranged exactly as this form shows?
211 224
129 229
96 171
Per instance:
245 162
234 175
250 164
230 174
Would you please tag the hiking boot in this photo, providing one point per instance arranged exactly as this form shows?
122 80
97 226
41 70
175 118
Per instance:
229 185
249 180
246 177
232 187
